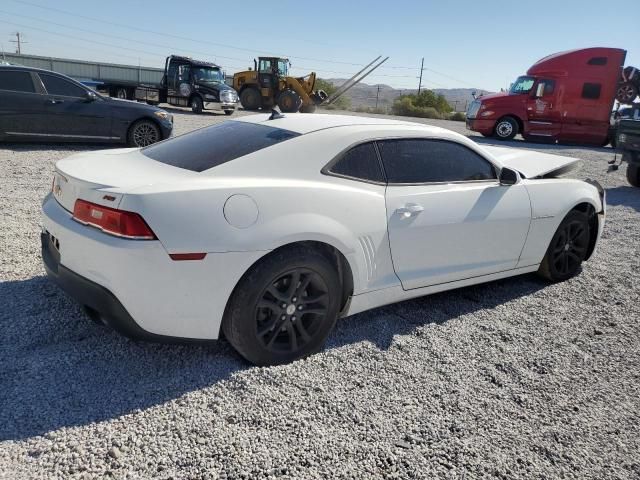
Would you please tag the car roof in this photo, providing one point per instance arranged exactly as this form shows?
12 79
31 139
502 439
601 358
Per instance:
28 69
310 122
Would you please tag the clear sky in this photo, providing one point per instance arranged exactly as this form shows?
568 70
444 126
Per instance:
464 43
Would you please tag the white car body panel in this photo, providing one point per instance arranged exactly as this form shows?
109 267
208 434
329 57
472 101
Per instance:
239 211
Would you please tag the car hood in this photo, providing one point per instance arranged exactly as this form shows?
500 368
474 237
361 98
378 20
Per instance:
131 105
532 164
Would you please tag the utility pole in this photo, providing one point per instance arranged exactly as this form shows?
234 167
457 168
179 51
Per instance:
18 41
421 70
377 96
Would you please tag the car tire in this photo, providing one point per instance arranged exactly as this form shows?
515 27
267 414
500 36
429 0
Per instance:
506 128
228 112
568 248
271 322
633 174
143 133
250 99
626 92
289 101
196 104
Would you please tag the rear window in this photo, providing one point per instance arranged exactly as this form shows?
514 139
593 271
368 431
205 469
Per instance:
212 146
16 81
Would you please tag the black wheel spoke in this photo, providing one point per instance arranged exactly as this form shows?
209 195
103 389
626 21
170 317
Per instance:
272 305
282 296
303 286
317 311
302 331
293 285
314 298
269 326
293 339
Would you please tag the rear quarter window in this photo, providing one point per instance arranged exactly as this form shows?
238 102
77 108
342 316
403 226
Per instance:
212 146
16 81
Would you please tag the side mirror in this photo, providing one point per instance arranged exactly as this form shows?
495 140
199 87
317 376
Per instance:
508 176
90 96
540 90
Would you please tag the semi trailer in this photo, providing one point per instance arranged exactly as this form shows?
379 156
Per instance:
183 81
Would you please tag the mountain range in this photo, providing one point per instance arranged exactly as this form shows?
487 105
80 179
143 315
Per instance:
364 95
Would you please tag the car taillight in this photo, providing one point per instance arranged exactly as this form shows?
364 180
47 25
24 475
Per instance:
112 221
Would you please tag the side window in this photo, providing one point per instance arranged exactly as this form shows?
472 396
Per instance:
265 66
597 61
183 73
428 161
591 91
549 87
60 86
16 81
361 162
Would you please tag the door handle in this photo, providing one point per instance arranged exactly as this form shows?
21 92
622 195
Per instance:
409 210
54 101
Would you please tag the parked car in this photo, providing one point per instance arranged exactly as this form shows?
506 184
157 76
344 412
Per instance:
269 228
39 105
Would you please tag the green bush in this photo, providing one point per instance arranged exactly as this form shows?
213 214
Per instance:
426 105
458 117
405 106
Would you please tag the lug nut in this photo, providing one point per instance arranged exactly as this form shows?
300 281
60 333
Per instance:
299 307
284 305
294 299
283 317
293 319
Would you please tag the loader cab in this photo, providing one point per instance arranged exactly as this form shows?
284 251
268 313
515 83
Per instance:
271 70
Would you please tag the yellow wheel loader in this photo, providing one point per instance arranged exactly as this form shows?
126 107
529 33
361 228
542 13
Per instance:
269 84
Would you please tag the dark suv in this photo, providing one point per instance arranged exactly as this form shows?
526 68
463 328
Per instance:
40 105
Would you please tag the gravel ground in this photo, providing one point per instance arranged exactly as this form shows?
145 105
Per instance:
512 379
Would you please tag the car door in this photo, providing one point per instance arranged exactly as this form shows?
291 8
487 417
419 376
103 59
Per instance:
72 115
22 107
543 110
448 216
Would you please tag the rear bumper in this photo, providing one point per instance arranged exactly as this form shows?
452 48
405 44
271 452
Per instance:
134 285
90 294
482 126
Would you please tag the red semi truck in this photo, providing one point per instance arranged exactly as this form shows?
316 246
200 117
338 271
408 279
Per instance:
565 97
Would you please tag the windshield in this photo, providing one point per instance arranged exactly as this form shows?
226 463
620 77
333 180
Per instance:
207 74
522 85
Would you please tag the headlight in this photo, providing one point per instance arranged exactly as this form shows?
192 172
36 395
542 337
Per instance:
162 115
487 113
228 96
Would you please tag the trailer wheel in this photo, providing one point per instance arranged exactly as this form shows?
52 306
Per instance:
289 101
250 99
121 93
627 92
633 174
196 104
506 128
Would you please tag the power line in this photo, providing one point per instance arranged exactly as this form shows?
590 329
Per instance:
253 51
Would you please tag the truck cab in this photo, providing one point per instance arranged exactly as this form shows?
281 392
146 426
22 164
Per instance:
566 96
196 84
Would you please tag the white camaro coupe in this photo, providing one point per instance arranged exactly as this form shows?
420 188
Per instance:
269 228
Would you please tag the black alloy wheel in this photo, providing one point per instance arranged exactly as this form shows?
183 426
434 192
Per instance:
568 248
291 310
284 307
